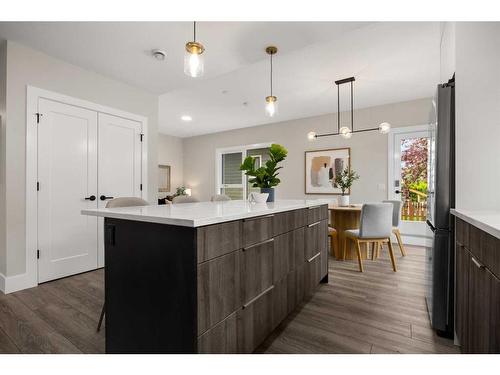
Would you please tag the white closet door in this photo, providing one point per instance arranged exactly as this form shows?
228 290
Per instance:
119 164
67 173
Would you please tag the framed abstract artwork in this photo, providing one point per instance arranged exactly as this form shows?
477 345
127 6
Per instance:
321 167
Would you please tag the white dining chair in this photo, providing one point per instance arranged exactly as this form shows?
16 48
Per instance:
184 199
396 219
375 227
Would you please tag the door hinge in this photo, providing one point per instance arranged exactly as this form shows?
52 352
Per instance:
142 136
140 187
38 254
37 186
38 115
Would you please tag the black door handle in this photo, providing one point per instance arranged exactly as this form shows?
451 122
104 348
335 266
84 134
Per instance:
397 192
91 198
103 197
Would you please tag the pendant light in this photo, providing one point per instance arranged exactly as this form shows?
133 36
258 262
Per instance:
193 58
344 131
271 100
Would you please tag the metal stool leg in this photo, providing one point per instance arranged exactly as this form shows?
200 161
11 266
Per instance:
101 317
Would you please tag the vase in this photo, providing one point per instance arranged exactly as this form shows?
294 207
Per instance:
258 197
269 191
343 200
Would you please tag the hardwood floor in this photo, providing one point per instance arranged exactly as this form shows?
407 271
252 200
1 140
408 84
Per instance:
375 312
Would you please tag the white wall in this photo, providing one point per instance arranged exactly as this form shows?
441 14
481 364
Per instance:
170 152
3 118
478 115
368 150
26 66
447 52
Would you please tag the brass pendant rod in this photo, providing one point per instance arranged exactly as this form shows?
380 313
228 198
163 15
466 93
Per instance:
271 75
194 31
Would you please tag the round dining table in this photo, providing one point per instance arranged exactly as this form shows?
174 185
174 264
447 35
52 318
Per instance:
343 218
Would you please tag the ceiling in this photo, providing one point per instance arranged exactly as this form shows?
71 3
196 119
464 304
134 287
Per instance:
392 62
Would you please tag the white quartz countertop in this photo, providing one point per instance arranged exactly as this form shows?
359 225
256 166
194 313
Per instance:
488 221
201 213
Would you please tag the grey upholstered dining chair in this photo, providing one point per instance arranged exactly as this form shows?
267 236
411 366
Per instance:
113 203
184 199
396 219
375 227
220 198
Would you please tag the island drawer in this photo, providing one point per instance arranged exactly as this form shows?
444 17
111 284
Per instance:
312 274
256 269
219 239
255 321
287 221
288 252
315 242
257 229
220 339
219 291
317 213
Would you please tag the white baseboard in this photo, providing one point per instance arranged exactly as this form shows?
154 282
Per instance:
2 283
416 240
10 284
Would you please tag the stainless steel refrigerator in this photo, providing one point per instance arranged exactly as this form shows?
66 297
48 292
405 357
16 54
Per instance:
441 197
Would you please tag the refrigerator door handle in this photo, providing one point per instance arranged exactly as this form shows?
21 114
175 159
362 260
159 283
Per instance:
431 226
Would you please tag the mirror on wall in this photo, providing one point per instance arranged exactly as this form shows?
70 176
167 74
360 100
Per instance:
163 178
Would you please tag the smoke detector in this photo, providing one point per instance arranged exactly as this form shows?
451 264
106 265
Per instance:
158 54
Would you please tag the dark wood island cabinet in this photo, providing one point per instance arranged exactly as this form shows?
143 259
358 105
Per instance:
218 288
477 288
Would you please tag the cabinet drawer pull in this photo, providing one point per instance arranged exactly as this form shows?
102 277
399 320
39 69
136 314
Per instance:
258 244
314 257
258 217
478 265
257 297
313 224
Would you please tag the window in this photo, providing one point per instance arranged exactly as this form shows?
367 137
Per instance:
229 179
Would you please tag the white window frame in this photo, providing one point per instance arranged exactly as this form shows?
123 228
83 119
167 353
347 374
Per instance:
229 150
30 277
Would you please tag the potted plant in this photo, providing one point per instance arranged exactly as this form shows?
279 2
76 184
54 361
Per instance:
265 177
344 181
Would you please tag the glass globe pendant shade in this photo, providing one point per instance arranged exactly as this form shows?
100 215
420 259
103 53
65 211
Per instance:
271 106
345 132
311 136
193 59
384 128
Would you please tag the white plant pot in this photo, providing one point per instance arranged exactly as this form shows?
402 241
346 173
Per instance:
258 197
343 200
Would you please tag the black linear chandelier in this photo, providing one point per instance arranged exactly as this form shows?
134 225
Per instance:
344 131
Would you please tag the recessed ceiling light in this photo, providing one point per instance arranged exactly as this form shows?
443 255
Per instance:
158 54
186 118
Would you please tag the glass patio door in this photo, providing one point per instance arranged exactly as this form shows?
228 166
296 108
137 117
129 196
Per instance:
409 180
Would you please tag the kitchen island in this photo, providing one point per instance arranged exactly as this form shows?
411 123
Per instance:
208 277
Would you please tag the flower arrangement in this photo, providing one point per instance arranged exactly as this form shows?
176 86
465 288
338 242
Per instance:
345 179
